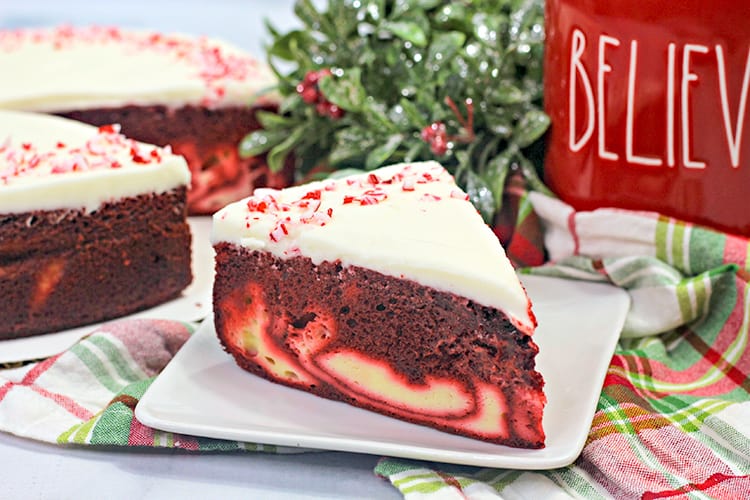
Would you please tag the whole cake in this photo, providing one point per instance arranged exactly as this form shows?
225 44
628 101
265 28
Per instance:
198 95
92 224
384 290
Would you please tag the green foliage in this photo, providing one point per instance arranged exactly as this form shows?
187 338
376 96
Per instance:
393 64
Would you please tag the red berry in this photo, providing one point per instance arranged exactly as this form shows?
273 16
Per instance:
309 94
335 111
311 77
427 134
433 130
435 134
322 108
438 146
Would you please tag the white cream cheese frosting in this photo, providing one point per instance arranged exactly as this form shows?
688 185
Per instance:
407 220
49 163
66 68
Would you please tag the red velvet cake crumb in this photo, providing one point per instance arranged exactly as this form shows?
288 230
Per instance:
439 359
66 268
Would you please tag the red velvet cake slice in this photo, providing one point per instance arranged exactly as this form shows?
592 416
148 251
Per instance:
198 95
92 224
386 291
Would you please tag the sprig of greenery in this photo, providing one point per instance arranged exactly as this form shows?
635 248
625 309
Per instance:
398 66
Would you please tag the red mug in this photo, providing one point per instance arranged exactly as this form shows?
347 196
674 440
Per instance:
648 103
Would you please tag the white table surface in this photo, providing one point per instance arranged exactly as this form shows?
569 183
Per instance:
34 470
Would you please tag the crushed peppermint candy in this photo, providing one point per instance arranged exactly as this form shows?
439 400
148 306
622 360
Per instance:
106 149
274 211
210 62
430 197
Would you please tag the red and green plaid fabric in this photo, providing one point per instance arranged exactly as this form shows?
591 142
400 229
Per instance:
673 418
87 394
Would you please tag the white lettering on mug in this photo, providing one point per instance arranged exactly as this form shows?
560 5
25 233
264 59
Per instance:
733 140
577 49
597 111
603 68
671 57
688 77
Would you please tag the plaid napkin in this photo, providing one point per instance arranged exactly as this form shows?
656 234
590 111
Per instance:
87 394
673 419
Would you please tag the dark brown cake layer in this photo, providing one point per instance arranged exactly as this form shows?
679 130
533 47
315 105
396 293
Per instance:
424 334
208 138
66 268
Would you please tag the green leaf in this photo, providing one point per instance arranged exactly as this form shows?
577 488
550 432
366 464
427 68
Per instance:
290 103
344 172
428 4
480 195
444 46
374 9
525 15
411 111
531 127
288 45
349 143
259 142
376 118
343 18
415 151
277 155
378 156
452 15
499 121
399 118
463 158
488 28
345 91
271 28
314 20
496 174
270 120
507 93
407 31
404 6
531 176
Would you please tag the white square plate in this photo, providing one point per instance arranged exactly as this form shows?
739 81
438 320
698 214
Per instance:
193 304
204 393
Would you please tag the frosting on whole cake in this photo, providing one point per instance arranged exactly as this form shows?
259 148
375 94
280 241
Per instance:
66 68
408 220
49 163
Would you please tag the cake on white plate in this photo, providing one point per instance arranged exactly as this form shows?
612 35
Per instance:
92 224
385 290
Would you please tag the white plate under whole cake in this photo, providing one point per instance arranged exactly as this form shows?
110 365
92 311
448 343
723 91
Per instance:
193 304
203 392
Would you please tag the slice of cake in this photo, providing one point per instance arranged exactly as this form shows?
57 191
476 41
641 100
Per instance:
92 224
384 290
198 95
